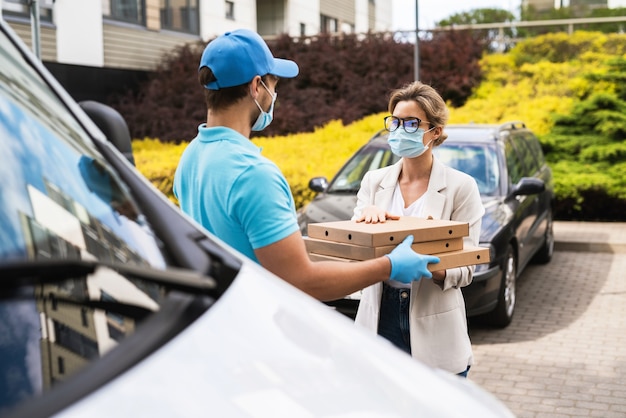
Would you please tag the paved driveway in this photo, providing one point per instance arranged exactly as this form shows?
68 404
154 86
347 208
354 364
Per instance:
564 354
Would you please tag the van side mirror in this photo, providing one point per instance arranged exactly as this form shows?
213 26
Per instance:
112 125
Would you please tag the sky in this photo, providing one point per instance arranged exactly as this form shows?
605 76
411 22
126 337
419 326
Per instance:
431 11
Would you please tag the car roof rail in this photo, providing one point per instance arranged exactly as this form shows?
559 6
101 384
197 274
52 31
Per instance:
512 125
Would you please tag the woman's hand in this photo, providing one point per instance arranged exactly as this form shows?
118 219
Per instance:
373 215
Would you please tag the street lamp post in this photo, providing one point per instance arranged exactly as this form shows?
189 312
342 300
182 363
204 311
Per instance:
416 53
35 26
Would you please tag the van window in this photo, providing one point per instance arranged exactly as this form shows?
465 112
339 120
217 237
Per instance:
62 206
60 198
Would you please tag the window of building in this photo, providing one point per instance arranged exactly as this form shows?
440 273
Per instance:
17 8
112 316
84 317
180 15
328 24
61 365
230 10
74 341
131 11
302 29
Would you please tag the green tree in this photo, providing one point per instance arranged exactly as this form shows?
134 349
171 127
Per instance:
491 37
478 16
532 14
582 11
587 149
606 27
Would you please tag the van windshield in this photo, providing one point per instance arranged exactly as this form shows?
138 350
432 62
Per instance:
61 201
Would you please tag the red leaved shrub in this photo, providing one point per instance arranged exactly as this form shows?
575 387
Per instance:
341 78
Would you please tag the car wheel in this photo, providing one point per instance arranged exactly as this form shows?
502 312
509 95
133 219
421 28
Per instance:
544 255
502 315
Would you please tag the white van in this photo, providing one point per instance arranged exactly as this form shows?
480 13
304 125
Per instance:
115 304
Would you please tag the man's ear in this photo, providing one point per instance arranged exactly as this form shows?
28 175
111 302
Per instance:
255 83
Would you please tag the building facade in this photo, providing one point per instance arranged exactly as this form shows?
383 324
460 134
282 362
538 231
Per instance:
135 34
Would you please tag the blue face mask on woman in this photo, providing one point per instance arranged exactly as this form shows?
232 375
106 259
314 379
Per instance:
265 118
408 145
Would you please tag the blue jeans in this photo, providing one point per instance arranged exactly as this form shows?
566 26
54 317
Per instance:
393 322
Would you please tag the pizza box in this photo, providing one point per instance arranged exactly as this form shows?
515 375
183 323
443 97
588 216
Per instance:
391 232
361 252
468 256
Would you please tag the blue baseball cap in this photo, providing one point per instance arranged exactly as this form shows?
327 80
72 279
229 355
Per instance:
237 57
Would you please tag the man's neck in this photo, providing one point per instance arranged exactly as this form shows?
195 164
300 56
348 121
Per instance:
235 118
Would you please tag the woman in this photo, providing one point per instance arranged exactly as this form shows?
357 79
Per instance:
426 318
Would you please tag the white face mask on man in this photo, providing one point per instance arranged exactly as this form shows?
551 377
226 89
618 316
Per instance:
265 118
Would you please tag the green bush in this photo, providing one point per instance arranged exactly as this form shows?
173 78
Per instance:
577 108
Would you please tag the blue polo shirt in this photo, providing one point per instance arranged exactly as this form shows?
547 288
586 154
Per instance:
225 184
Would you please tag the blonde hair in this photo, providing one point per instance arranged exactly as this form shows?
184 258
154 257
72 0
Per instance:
429 100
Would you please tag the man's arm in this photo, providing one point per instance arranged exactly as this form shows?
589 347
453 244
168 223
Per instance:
330 280
324 280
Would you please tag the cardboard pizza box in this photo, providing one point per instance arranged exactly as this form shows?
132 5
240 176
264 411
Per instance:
391 232
468 256
361 252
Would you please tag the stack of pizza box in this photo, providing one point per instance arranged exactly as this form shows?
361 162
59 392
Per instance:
352 241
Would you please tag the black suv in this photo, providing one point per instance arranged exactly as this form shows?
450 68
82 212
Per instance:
516 186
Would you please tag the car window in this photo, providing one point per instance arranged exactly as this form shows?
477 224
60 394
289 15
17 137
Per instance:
477 160
527 157
60 202
370 157
514 164
535 147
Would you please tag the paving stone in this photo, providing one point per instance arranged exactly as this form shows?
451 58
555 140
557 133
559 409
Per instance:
564 354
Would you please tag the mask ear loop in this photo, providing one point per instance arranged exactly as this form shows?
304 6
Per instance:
254 99
431 141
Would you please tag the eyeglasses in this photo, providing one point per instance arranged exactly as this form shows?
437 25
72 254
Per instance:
410 125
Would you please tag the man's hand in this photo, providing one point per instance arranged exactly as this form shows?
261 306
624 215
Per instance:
373 215
407 265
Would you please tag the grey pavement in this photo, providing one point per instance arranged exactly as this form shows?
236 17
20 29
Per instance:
564 354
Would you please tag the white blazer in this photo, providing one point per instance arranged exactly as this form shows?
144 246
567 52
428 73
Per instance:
437 318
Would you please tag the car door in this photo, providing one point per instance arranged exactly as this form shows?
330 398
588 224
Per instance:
530 148
525 207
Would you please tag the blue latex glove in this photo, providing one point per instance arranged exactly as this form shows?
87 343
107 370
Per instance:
407 265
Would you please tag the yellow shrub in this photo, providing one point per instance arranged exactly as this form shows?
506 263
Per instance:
300 157
157 161
515 87
319 153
